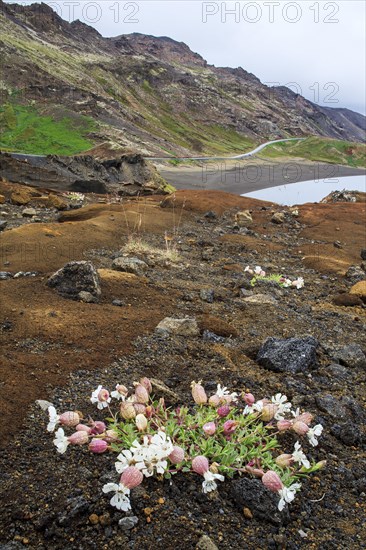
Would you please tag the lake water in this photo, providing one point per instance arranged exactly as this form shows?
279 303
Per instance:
308 191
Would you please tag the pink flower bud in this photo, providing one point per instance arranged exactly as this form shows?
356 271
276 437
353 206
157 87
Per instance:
272 481
122 389
198 394
69 418
268 412
209 428
284 461
98 446
139 408
131 477
149 411
103 395
146 383
141 422
223 411
98 428
111 436
214 400
249 399
83 428
177 455
78 438
283 425
127 410
227 399
142 395
257 472
300 427
200 465
229 427
305 417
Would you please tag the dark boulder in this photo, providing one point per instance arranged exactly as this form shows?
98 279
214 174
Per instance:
76 277
290 355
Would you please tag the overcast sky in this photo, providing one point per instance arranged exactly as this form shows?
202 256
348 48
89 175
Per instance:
315 47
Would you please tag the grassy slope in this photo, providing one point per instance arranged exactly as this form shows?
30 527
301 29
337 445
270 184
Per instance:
96 72
25 129
321 149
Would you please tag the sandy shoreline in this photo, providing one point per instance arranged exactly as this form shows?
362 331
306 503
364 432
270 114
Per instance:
248 176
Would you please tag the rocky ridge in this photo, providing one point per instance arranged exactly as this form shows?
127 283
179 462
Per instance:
151 93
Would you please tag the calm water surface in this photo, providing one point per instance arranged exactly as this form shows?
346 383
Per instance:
308 191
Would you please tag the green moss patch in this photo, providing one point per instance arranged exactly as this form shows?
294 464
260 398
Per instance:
26 129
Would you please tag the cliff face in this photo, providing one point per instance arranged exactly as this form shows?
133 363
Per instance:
152 94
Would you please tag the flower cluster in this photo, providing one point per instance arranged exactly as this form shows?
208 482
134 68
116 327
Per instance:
75 197
151 456
219 436
260 275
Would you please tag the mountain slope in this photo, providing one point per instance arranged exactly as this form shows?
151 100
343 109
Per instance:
152 94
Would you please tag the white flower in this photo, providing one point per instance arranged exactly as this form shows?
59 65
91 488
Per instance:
150 463
298 283
287 495
257 407
61 441
286 283
299 456
234 396
279 399
125 459
296 413
161 466
120 499
313 433
210 484
258 270
249 270
221 392
163 444
101 397
283 405
54 419
116 394
150 456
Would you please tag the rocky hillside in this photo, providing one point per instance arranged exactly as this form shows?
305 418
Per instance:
65 88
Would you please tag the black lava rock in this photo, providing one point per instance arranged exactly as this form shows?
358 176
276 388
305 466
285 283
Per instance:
332 406
76 277
348 433
74 507
288 355
251 493
210 215
207 295
350 356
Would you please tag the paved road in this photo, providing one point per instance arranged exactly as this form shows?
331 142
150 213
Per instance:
25 156
244 155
